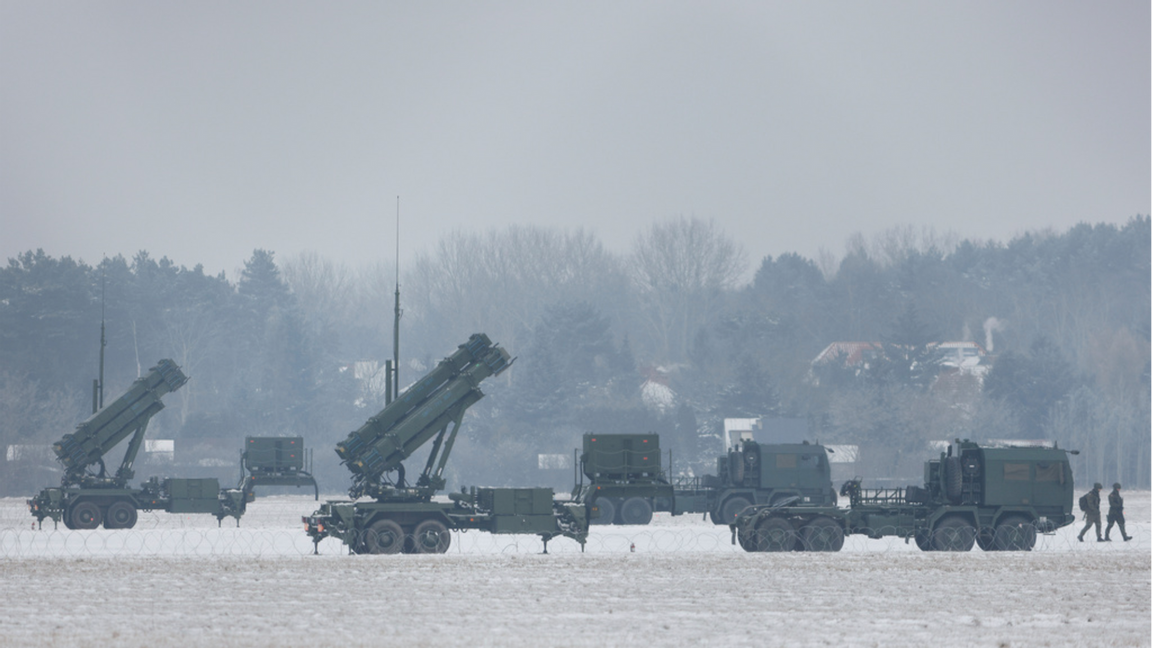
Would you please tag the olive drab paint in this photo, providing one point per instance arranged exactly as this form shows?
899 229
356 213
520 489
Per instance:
997 498
402 516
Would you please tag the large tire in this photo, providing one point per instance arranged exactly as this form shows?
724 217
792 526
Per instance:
731 508
923 540
986 539
635 510
953 479
822 534
121 515
431 536
746 536
953 534
85 515
775 534
607 511
383 537
1015 533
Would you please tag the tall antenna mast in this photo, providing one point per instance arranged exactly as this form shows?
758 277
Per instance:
98 387
398 312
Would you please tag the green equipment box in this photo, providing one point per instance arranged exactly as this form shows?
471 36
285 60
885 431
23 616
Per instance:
274 454
516 501
621 456
194 495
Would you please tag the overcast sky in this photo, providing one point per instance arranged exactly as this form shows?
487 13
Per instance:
201 131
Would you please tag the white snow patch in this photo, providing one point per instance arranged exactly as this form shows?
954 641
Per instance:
178 580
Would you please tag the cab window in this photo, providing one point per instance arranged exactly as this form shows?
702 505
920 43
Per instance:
1050 472
785 461
1016 472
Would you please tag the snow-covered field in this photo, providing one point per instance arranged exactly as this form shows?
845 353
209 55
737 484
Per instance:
178 580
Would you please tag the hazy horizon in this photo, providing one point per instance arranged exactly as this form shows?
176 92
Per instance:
201 132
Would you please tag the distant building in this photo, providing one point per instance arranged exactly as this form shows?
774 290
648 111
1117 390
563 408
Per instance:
960 363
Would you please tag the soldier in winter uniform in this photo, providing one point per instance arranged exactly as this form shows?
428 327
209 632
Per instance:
1116 513
1092 512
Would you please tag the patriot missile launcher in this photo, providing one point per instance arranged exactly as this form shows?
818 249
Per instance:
89 496
403 516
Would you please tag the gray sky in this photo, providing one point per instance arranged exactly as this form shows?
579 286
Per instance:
204 130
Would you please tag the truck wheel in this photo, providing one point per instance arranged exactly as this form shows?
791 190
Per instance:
953 534
431 536
635 510
383 537
775 534
822 534
732 508
1015 533
746 536
607 511
986 539
923 540
85 515
121 515
953 479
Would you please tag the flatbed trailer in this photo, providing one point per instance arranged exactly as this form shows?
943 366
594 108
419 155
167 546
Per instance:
116 508
370 527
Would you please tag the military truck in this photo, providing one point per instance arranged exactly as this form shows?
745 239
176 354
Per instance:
276 461
88 496
759 474
626 481
404 517
996 497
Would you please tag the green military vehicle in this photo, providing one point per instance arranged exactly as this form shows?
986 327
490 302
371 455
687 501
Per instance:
626 481
403 517
996 497
276 461
759 474
88 496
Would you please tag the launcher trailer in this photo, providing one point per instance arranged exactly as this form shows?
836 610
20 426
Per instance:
397 516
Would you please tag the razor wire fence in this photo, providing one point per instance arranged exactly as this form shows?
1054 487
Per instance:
262 542
270 528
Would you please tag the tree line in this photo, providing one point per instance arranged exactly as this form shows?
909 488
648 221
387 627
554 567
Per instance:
670 336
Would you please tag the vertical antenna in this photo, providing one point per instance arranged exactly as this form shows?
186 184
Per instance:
397 312
103 341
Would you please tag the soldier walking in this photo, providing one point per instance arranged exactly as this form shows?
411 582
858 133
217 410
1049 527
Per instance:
1091 506
1115 514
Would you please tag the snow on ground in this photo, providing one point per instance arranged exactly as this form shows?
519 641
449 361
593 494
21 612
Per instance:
178 580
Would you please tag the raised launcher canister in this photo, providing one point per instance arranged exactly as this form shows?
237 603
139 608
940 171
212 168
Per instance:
127 415
404 516
421 412
88 496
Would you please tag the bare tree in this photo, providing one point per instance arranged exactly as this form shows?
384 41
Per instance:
322 288
500 281
680 269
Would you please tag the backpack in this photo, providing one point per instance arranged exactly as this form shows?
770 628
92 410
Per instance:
1084 502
